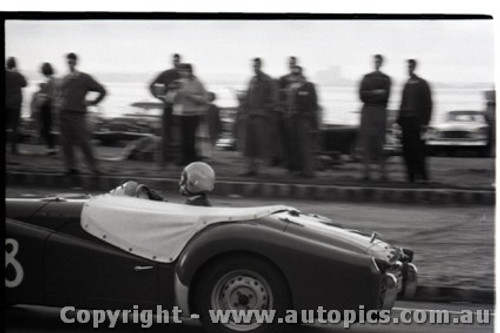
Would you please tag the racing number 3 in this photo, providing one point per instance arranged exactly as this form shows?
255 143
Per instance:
10 259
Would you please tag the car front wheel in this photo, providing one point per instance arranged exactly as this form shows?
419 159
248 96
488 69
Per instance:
241 291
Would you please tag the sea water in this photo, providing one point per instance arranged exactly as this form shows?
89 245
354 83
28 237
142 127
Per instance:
340 104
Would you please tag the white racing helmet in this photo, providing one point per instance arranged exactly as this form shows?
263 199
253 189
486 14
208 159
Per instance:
197 177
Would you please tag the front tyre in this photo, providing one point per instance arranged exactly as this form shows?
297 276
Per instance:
239 284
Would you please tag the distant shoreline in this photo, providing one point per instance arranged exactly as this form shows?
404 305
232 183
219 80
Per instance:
222 79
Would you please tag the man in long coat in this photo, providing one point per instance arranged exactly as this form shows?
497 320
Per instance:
302 109
281 143
259 104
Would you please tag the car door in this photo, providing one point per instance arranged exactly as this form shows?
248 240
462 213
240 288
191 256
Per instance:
81 270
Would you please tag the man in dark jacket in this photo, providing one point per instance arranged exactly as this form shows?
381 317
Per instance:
374 92
302 108
259 104
159 88
414 117
14 82
281 128
73 123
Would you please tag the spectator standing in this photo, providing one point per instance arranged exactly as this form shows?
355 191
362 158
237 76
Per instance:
38 99
46 107
414 117
14 82
239 128
74 130
302 108
283 126
212 126
159 88
208 129
259 104
190 104
374 92
281 142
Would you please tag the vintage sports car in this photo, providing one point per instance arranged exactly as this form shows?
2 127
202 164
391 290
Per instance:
115 252
462 130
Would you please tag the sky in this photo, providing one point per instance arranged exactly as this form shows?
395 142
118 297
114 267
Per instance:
448 51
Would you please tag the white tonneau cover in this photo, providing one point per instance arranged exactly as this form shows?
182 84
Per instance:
157 230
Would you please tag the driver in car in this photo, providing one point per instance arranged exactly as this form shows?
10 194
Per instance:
197 180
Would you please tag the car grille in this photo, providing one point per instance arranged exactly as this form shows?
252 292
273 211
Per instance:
454 135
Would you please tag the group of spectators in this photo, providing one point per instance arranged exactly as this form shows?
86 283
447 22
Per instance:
65 96
183 94
280 117
277 122
414 116
186 100
281 121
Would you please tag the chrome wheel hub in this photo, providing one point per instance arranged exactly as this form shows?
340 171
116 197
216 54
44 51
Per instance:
242 290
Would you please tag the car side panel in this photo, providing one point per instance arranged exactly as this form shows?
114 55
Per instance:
24 248
311 268
88 272
56 215
22 209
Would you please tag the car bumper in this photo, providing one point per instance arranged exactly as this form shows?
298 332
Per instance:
410 279
389 291
451 143
398 284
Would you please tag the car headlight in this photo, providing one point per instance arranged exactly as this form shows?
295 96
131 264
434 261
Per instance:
380 265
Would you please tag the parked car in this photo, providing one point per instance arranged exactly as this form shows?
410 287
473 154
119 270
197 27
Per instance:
142 121
119 251
462 130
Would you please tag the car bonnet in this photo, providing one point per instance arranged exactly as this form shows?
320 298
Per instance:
322 230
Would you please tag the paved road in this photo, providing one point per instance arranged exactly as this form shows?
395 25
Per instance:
47 319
